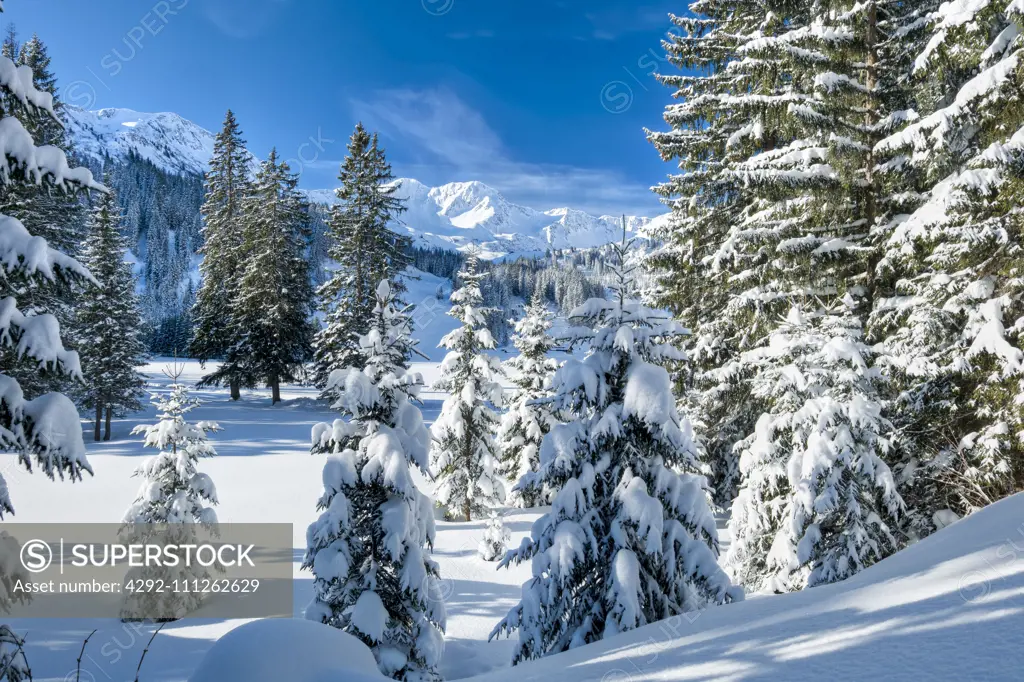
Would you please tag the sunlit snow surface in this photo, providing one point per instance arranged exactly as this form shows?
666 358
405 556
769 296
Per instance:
949 608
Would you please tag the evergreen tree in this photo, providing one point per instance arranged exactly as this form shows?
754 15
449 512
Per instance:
271 308
372 577
173 491
227 186
721 269
818 500
630 538
108 323
782 195
496 536
55 216
464 454
59 217
363 248
44 431
11 48
952 331
528 420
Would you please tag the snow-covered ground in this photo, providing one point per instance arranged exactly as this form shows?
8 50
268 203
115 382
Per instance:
263 473
948 608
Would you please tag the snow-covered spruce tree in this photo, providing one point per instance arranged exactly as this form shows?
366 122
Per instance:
364 250
464 456
496 536
527 421
630 538
108 323
173 491
10 47
953 330
781 195
45 431
372 575
818 499
720 269
860 93
57 217
228 182
272 305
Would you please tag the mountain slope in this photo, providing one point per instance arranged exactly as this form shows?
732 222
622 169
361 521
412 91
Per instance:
461 215
167 140
457 215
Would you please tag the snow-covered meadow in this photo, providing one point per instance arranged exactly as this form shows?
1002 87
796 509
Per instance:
949 608
264 473
843 250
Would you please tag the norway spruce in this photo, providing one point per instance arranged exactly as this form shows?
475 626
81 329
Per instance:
43 431
59 217
727 263
464 456
227 185
528 418
108 323
630 538
364 249
56 216
818 502
368 550
271 307
172 491
952 331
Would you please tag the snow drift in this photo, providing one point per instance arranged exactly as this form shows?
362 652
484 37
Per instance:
948 608
293 650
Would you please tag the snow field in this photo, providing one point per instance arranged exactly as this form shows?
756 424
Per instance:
948 608
264 474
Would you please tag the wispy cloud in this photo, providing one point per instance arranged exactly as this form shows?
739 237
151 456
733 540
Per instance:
242 19
435 137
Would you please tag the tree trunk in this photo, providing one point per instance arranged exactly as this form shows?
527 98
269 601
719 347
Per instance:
275 391
236 389
467 509
99 420
106 433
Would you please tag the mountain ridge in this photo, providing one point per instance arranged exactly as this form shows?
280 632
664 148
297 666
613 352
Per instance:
454 216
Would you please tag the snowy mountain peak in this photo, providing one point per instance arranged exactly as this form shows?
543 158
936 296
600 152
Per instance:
457 215
165 139
462 215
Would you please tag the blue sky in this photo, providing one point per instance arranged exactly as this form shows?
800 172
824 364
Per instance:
546 101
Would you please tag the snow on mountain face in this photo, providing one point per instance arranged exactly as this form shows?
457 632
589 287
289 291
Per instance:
167 140
459 215
463 215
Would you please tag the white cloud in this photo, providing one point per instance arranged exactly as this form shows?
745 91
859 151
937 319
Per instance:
435 137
